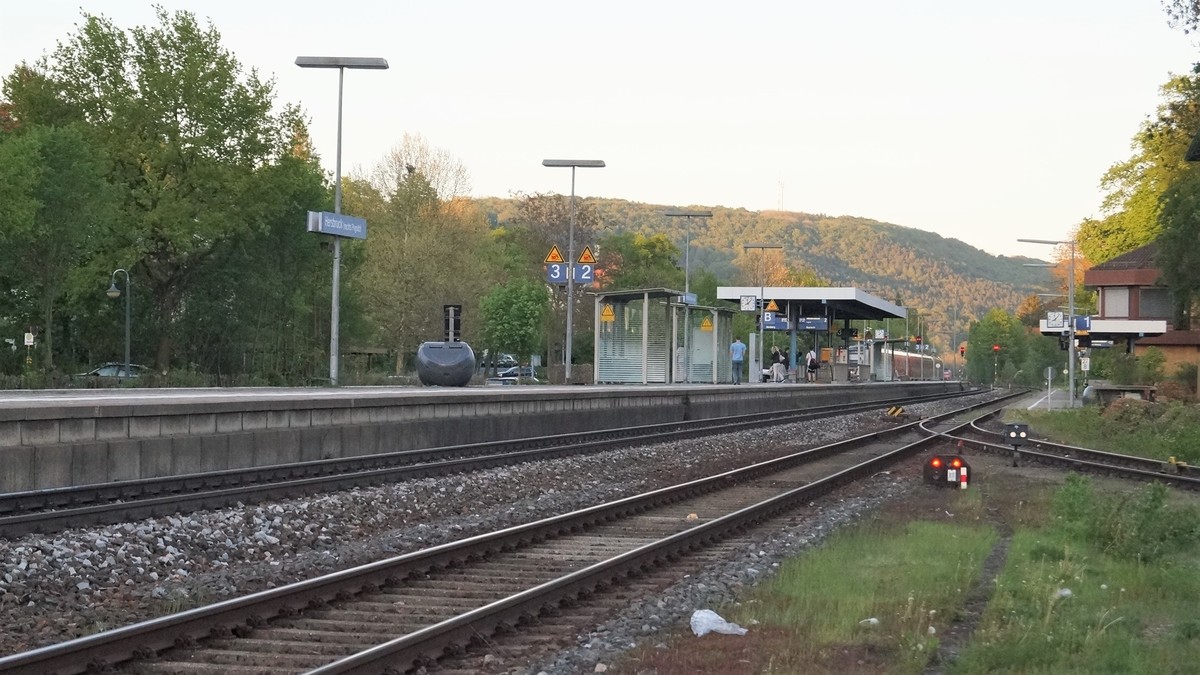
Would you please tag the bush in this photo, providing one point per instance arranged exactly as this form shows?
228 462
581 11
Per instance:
1139 525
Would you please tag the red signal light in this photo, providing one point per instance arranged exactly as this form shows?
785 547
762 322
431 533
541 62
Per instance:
962 351
995 348
936 462
955 463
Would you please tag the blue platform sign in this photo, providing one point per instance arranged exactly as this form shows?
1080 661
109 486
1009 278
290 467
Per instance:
556 273
812 324
1083 323
337 224
774 321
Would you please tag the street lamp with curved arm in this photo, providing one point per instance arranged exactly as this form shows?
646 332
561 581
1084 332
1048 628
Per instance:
114 293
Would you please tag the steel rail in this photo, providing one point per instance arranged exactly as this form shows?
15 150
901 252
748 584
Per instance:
149 637
1074 458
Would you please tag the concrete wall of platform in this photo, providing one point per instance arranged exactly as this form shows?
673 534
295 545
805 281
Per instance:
60 445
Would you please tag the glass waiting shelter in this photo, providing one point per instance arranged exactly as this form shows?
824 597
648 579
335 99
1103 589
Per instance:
642 337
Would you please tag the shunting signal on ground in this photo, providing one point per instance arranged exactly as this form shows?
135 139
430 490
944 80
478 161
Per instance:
896 411
947 471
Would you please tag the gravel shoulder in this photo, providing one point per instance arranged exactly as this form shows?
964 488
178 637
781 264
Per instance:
85 580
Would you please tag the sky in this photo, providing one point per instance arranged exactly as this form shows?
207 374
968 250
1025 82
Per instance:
983 122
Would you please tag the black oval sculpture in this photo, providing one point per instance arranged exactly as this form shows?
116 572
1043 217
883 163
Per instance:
445 364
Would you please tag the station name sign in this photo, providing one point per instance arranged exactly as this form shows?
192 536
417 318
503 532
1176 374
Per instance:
337 224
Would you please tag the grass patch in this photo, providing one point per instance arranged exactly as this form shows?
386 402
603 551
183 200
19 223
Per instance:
1155 430
910 577
1109 587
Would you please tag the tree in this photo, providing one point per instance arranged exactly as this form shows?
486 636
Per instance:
1179 257
1136 185
636 261
1184 14
186 132
514 317
445 174
43 250
422 253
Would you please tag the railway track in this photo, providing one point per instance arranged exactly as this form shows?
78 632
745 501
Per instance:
44 511
1084 460
415 610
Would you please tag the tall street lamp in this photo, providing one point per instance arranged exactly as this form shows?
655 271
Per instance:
573 164
114 293
762 302
688 301
1070 313
341 63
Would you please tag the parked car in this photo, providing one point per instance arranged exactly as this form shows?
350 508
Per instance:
502 360
515 371
114 370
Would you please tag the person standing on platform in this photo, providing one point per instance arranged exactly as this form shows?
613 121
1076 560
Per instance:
811 364
778 365
737 353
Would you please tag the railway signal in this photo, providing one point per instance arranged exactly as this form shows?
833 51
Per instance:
948 471
1016 434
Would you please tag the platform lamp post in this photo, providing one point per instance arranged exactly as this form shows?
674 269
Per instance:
762 302
341 63
114 293
573 164
687 288
1070 312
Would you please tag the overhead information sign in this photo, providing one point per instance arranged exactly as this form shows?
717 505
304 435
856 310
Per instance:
337 224
554 256
586 257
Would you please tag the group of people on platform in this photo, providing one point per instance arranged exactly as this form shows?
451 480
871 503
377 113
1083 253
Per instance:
779 363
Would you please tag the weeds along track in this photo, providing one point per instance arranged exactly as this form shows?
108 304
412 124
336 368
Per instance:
44 511
986 435
516 590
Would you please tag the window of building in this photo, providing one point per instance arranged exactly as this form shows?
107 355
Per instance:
1154 303
1116 302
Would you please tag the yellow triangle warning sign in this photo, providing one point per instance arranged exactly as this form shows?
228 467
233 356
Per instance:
607 313
554 256
586 258
772 307
706 324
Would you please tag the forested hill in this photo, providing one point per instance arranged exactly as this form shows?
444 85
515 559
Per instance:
919 269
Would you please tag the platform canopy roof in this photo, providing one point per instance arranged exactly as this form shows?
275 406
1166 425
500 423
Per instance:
639 293
845 302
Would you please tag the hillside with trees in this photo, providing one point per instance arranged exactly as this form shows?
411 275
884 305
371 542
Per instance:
946 280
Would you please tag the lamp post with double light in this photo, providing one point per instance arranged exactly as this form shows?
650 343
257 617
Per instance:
688 300
1070 311
573 164
341 63
762 302
114 293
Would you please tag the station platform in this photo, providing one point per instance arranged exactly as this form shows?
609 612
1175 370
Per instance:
58 438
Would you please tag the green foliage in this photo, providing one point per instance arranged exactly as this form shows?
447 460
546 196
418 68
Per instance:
910 578
1140 526
1135 186
637 261
1179 257
514 316
1157 430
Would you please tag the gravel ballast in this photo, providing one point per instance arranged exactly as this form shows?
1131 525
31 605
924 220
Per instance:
85 580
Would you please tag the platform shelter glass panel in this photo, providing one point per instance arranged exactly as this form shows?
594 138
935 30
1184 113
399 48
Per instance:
621 348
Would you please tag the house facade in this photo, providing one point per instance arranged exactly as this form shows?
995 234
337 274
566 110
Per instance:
1132 294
